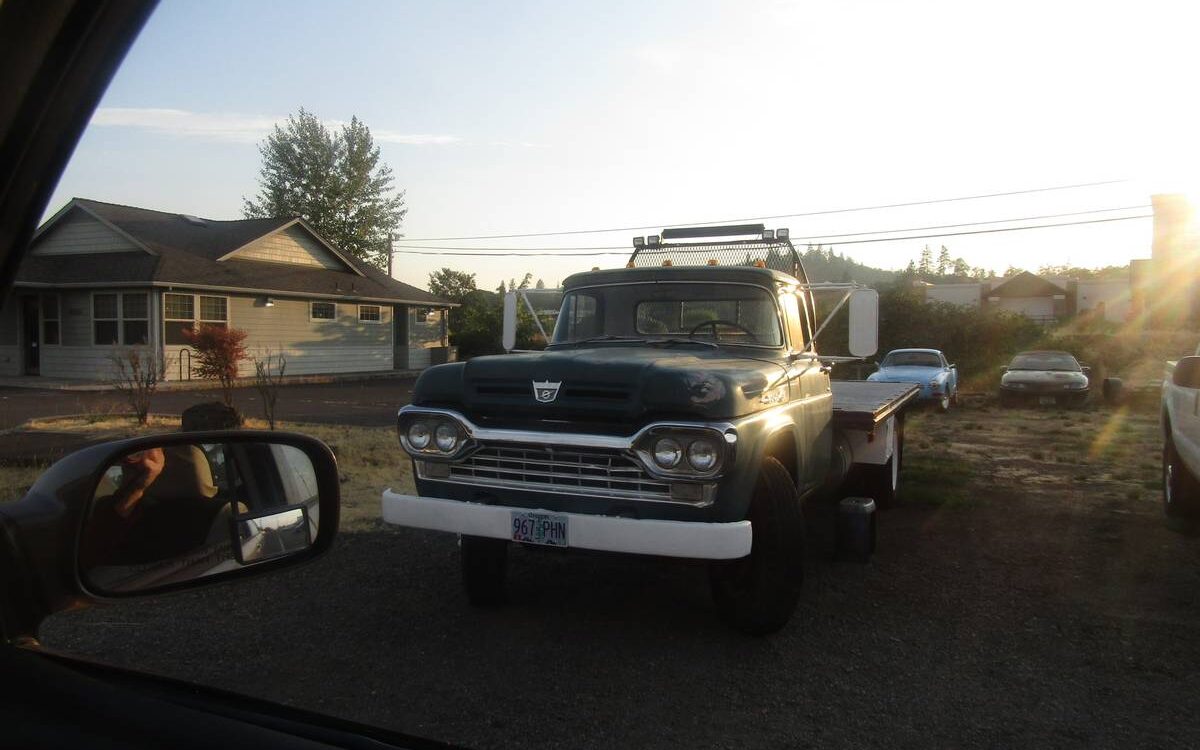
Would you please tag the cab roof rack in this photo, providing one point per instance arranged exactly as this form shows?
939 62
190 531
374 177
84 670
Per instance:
760 247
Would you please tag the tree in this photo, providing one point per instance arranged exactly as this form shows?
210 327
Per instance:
944 264
268 377
960 268
925 265
453 286
334 181
218 352
540 284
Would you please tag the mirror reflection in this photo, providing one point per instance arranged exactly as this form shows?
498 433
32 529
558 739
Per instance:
177 512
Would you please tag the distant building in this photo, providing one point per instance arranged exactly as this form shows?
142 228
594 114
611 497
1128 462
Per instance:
1041 299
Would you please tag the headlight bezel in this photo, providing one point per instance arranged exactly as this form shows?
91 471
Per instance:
685 437
435 449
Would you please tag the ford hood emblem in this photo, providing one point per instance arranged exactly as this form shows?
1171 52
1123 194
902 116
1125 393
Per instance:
545 391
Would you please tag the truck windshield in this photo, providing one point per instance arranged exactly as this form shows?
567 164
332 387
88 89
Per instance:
734 314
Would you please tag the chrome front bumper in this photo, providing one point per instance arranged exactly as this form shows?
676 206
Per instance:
691 539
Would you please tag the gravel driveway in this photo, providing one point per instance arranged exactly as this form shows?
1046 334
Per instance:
1026 593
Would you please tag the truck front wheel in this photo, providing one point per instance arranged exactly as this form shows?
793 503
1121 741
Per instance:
1181 491
758 593
484 563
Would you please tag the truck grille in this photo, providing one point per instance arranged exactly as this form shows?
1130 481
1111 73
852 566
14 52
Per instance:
590 472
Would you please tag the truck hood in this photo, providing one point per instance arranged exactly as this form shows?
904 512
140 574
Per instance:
621 385
906 374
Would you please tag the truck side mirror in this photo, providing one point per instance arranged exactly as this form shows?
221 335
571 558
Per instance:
864 322
508 335
1187 373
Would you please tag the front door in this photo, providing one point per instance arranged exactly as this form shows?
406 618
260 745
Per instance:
31 337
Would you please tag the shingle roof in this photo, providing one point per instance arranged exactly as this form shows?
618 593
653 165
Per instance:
187 253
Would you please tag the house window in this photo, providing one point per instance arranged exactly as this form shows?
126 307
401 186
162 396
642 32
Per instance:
50 319
322 310
214 311
179 315
369 314
120 319
106 323
183 312
135 319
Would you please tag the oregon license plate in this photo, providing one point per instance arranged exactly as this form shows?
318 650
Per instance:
1046 400
549 529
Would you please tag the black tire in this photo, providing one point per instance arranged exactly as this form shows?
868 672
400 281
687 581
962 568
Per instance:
758 593
1181 490
484 564
881 483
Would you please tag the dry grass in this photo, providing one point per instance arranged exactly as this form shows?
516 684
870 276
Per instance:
369 458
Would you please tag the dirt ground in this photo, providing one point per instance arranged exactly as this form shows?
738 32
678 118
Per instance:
1026 592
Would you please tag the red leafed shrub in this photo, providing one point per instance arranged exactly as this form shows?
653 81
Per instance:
218 352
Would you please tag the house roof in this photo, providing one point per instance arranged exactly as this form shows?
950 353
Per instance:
177 250
1026 284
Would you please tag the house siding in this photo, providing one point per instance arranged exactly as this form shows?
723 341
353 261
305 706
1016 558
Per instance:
10 350
78 233
311 347
293 245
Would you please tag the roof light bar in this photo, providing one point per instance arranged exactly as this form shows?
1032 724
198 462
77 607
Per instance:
782 233
639 242
768 234
653 239
679 233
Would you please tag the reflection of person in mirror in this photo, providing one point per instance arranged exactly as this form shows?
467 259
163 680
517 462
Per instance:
164 504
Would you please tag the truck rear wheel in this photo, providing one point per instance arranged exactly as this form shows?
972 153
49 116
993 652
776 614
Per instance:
758 593
1181 490
484 563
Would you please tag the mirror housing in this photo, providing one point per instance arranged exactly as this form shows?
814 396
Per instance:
864 322
1187 373
46 530
508 334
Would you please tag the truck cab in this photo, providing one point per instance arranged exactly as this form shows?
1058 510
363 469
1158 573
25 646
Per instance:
678 410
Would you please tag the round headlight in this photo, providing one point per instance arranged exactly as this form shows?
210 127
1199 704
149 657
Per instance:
418 435
446 437
667 452
702 455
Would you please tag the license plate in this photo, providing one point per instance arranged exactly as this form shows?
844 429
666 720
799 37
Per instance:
549 529
1045 400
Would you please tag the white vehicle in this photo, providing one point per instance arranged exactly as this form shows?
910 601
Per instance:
1181 438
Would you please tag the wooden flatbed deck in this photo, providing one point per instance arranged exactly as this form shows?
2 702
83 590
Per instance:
863 405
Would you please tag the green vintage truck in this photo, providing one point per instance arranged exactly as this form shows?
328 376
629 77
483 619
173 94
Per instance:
680 409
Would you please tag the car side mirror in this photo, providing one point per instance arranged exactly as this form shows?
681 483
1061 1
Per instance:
1004 368
953 367
166 512
1085 369
1187 373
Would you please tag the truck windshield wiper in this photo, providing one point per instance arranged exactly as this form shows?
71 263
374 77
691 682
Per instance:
672 342
609 337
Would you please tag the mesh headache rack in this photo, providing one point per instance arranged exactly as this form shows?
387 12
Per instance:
760 246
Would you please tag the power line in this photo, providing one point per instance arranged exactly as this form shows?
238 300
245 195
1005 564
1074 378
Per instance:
796 239
768 218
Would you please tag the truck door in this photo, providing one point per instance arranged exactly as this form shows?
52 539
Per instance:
811 397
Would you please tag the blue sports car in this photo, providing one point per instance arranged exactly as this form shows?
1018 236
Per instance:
925 367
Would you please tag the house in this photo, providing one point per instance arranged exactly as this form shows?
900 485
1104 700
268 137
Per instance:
1043 300
100 278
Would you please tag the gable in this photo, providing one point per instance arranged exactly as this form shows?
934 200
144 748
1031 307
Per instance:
1026 284
293 245
79 233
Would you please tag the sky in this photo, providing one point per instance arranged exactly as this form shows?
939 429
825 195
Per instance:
537 116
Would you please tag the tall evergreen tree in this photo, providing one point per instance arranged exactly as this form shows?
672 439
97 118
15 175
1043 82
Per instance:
334 181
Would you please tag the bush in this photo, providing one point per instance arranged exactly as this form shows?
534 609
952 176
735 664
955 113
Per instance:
218 352
137 375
